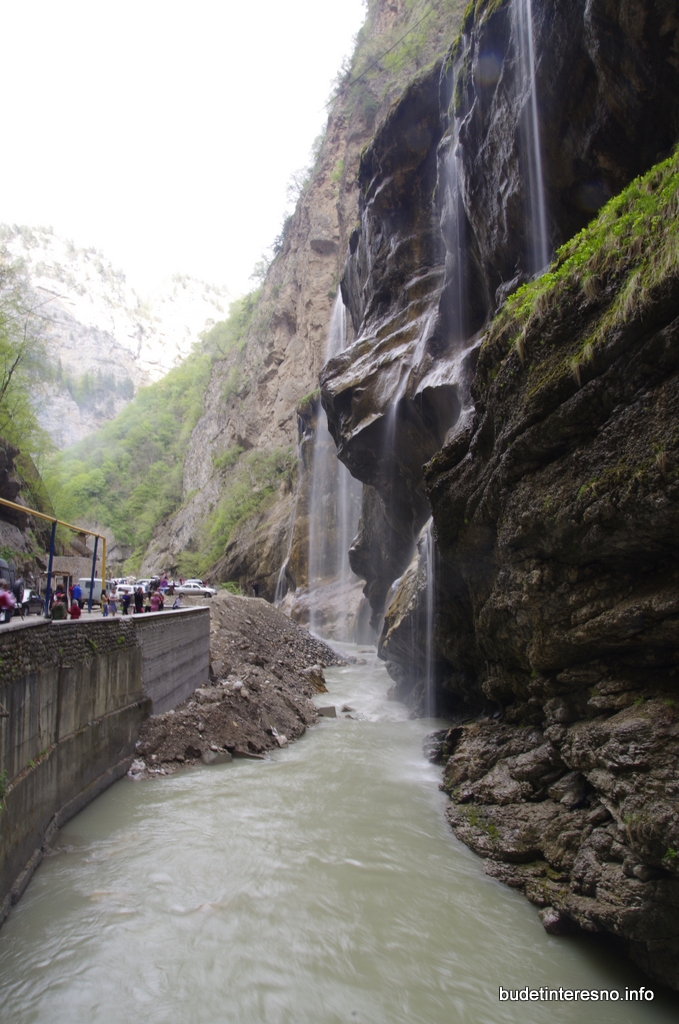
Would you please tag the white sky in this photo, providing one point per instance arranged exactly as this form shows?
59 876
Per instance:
164 133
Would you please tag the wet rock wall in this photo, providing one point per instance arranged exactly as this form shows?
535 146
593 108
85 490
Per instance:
445 229
553 489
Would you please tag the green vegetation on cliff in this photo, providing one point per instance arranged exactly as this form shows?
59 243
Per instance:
22 362
609 273
128 475
385 60
229 335
253 483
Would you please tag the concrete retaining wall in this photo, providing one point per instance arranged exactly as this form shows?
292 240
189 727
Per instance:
175 657
72 698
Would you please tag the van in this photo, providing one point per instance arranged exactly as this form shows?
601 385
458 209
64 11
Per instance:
7 571
96 589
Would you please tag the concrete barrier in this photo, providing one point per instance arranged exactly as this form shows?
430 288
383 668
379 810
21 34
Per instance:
72 698
175 658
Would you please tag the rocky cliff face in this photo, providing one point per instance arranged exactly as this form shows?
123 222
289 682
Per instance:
103 339
261 393
23 538
553 490
447 224
557 510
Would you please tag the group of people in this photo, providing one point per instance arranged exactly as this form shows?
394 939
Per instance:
154 601
67 605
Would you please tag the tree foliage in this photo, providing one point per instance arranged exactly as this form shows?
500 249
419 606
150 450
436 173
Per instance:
128 475
22 360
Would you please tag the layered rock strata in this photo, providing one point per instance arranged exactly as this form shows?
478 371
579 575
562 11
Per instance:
446 230
258 388
553 494
558 511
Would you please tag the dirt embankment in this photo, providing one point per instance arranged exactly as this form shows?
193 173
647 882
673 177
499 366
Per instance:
264 669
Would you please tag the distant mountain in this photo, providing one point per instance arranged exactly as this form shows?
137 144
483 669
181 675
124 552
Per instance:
104 339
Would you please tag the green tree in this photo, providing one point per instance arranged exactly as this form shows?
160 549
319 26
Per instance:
22 360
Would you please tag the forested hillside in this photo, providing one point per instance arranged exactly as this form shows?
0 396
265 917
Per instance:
102 339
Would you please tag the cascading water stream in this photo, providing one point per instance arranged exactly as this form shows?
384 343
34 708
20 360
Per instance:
456 239
539 253
335 501
281 582
429 680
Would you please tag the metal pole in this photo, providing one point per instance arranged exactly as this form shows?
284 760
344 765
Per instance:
77 529
94 571
50 519
49 569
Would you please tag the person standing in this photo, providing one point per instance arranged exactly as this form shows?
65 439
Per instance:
74 610
18 591
7 601
25 602
77 595
138 601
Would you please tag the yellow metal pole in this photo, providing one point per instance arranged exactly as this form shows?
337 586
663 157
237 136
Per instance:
69 526
50 519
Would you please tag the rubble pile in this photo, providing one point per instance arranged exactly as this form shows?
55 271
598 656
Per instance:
264 670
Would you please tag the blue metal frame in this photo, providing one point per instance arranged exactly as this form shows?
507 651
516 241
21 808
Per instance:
94 569
49 569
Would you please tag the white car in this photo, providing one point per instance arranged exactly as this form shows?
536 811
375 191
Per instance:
195 588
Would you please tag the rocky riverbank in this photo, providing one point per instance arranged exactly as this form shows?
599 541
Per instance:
264 670
579 818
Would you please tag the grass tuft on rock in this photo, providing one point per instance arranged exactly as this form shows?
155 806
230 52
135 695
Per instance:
616 265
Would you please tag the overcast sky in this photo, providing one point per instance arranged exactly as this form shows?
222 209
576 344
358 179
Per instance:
164 133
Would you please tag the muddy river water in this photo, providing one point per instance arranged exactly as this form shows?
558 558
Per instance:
319 887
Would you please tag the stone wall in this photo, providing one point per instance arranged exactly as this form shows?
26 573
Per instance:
72 699
175 654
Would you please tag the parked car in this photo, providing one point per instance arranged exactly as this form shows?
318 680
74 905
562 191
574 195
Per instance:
122 589
32 602
188 583
195 588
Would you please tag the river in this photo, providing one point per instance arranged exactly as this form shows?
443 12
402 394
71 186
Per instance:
322 886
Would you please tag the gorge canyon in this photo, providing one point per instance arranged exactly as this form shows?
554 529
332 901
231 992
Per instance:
475 308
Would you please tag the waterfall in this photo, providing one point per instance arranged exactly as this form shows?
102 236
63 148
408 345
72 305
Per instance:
281 582
456 238
429 680
538 250
335 500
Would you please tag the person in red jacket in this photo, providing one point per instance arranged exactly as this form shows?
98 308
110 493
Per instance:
74 610
7 602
